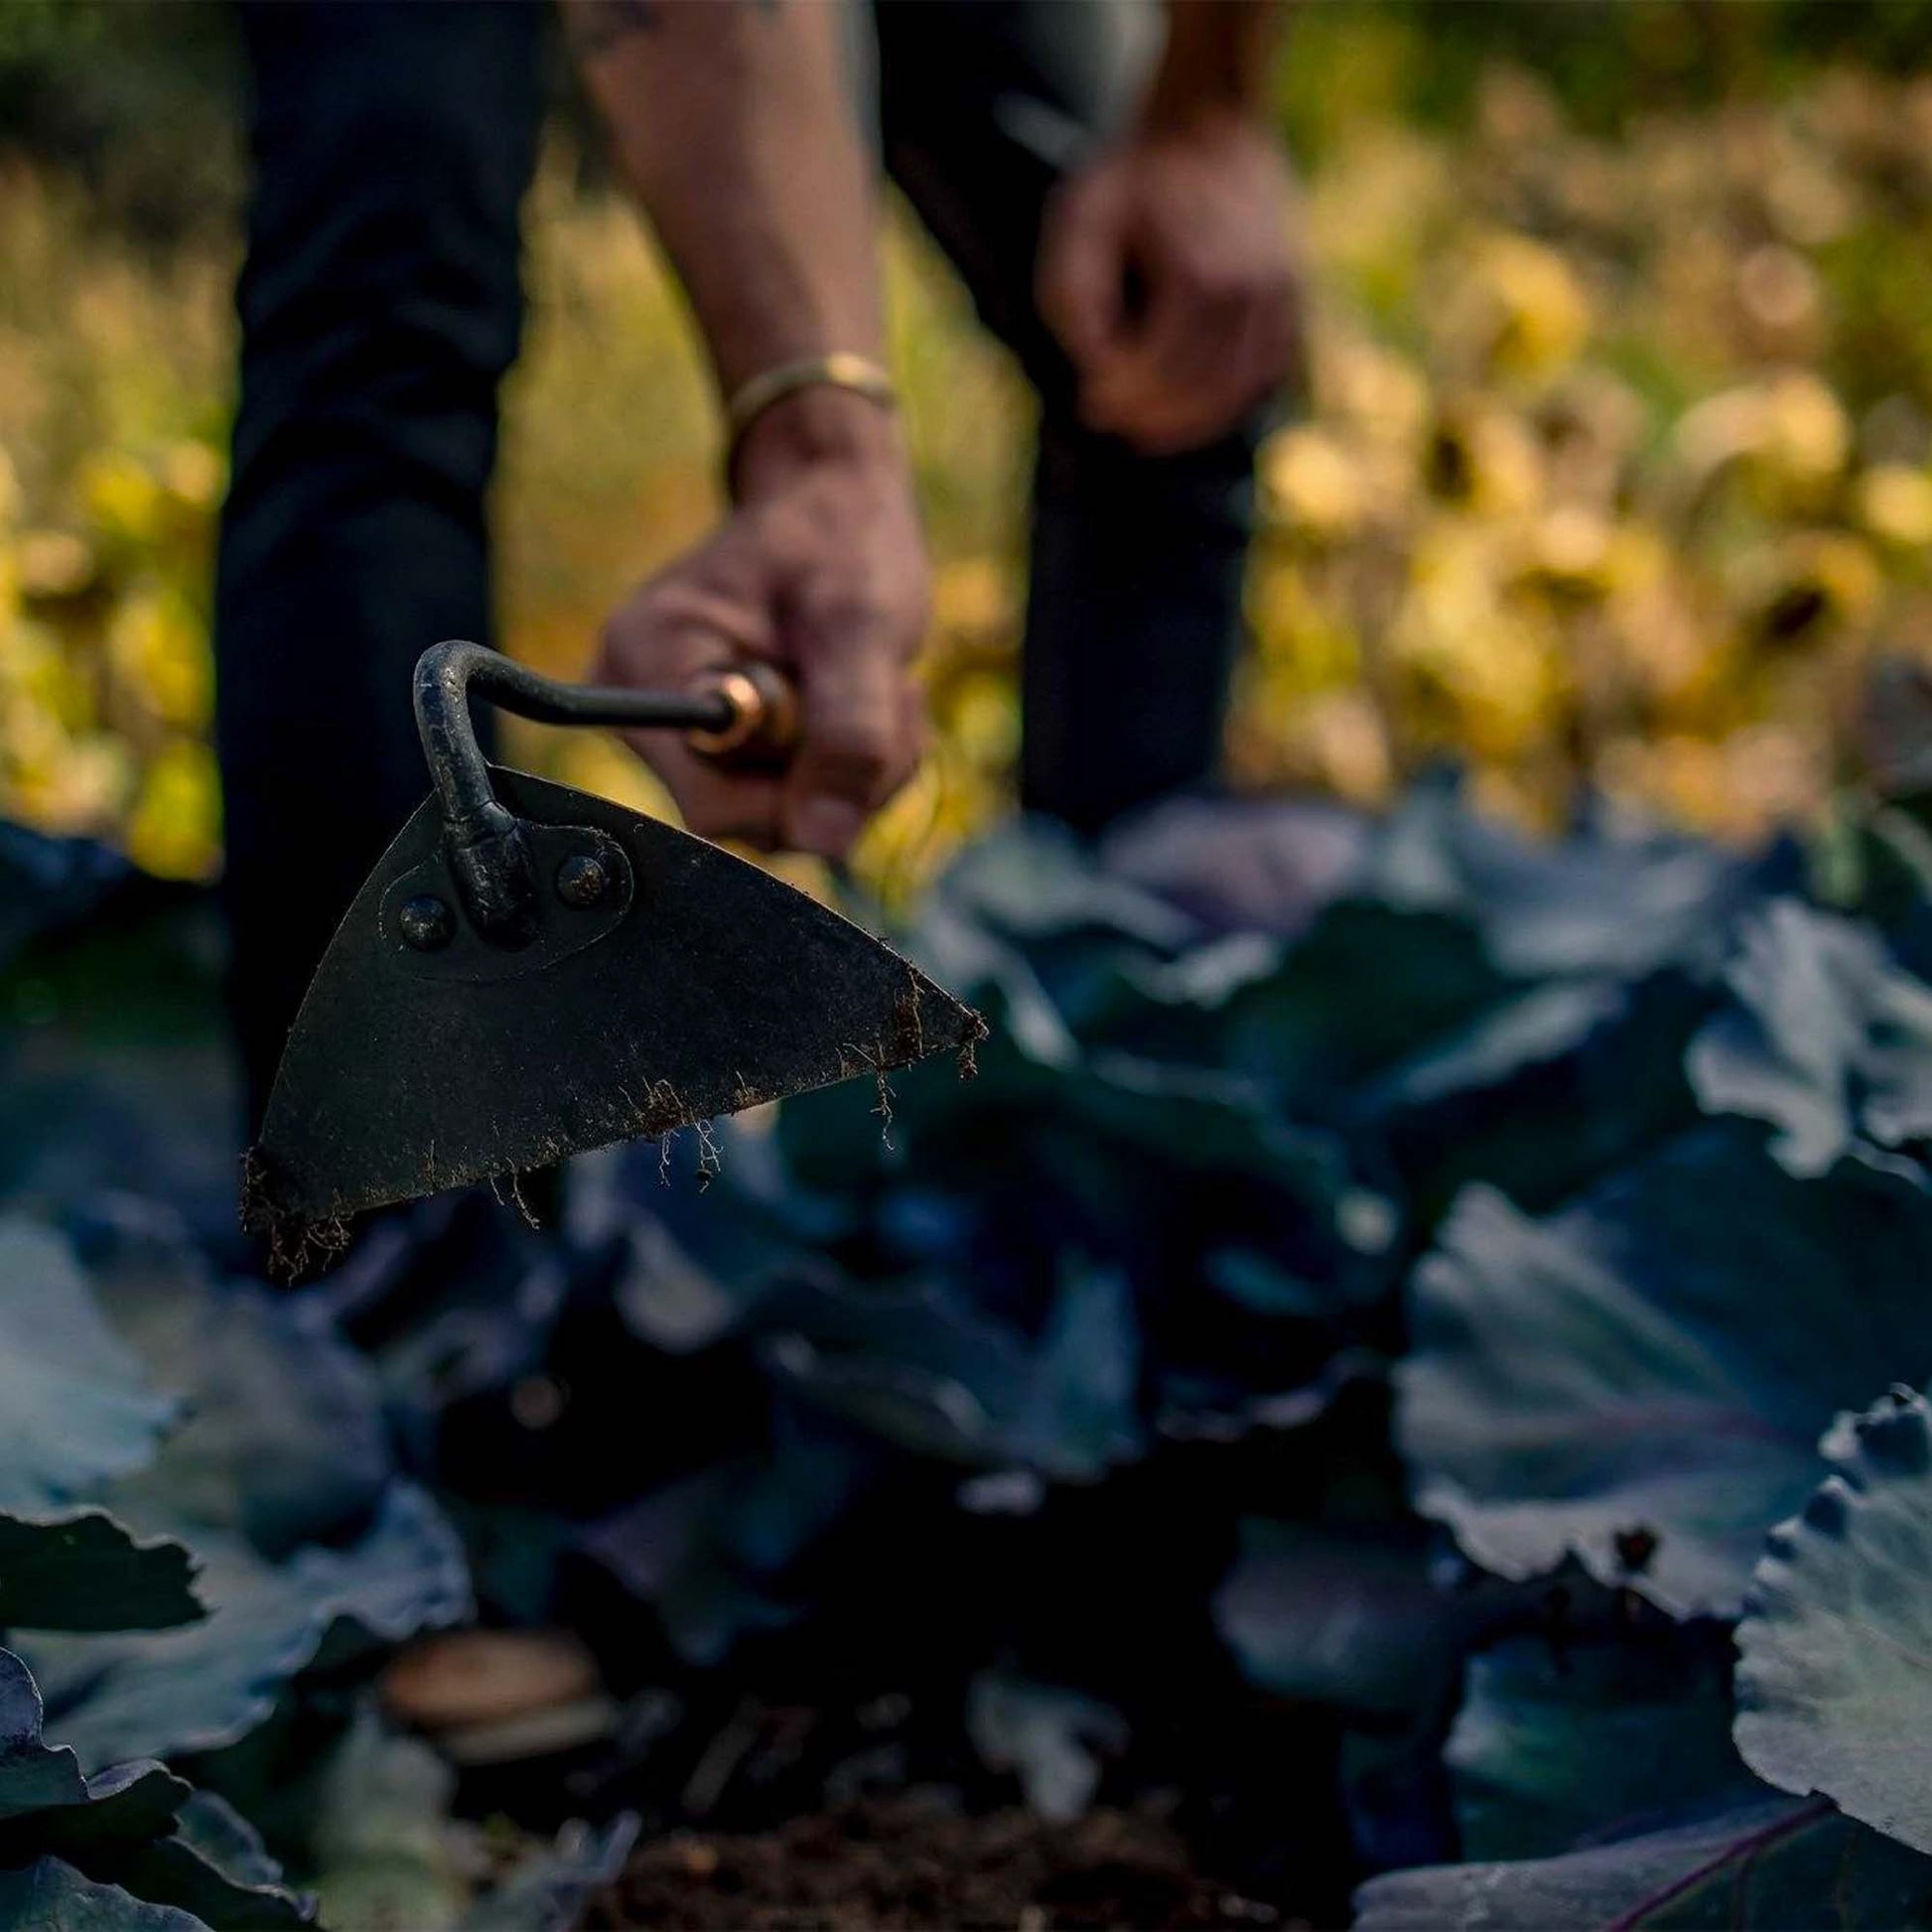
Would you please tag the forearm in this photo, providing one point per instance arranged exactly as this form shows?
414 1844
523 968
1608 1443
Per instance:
1219 58
733 123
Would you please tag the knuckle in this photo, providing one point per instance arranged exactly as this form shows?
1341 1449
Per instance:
859 748
879 608
849 608
853 753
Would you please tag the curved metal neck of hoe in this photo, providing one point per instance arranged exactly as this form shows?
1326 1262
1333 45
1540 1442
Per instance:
484 839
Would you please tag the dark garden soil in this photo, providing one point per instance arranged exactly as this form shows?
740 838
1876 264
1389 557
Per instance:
911 1862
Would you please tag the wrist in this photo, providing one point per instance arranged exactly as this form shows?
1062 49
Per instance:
808 429
1198 118
1217 66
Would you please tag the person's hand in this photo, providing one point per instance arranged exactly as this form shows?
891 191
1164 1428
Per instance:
821 569
1167 272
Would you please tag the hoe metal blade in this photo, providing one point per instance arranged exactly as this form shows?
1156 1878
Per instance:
667 982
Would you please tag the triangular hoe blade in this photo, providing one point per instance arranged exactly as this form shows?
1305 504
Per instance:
698 985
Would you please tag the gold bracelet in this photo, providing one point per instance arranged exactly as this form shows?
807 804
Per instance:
842 370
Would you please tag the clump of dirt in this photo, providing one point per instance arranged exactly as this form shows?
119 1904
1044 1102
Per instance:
909 1862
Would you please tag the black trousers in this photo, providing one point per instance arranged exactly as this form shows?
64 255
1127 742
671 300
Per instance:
380 307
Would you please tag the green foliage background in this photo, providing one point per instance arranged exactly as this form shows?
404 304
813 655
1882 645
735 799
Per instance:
1613 468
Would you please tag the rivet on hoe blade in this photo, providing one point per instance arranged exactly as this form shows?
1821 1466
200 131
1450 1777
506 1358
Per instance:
532 971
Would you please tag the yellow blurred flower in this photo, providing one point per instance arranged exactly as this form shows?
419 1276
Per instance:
1894 503
983 719
1809 436
51 566
1682 775
1348 747
1482 456
912 834
173 826
1517 312
1313 485
974 598
1665 647
1790 433
1302 639
194 474
1811 585
1465 645
1379 393
159 652
1591 425
1570 549
123 498
38 677
68 785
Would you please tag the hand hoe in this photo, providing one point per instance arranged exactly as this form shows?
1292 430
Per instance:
531 971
